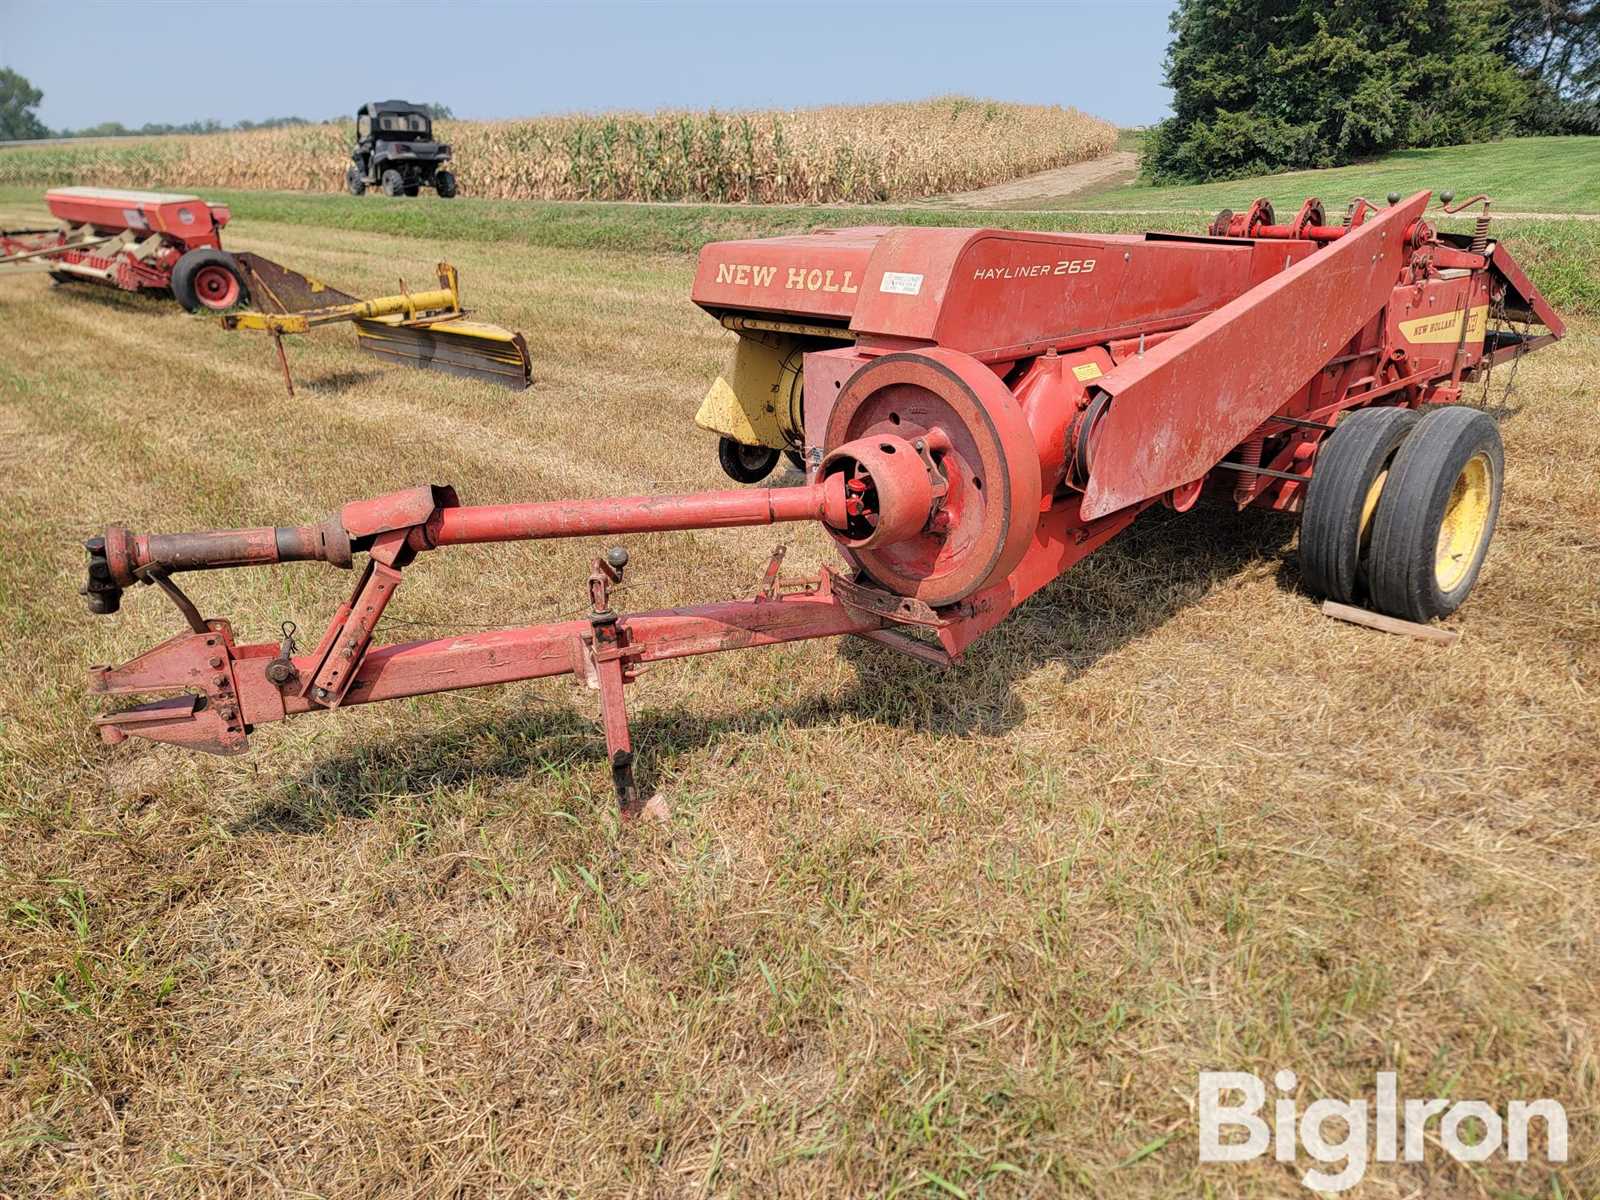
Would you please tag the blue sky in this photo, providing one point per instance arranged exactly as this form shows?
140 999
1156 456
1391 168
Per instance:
138 61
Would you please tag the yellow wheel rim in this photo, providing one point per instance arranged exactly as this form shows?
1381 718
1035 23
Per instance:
1466 523
1370 506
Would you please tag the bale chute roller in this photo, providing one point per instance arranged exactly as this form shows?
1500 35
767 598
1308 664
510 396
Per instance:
967 444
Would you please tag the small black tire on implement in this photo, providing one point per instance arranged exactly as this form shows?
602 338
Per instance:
394 183
354 181
1437 515
444 183
1346 482
797 459
746 464
208 280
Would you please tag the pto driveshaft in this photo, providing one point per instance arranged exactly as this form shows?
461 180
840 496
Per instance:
423 519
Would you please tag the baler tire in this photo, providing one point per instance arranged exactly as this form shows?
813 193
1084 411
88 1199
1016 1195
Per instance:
354 182
394 183
797 460
1437 515
186 273
1346 482
444 184
745 464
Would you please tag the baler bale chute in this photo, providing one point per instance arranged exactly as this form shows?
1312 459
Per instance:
1009 403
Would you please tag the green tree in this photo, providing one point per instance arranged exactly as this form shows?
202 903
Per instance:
1556 46
18 99
1273 85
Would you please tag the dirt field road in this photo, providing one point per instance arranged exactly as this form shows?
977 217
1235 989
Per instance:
1119 166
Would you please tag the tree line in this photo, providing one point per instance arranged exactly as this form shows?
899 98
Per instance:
1275 85
19 120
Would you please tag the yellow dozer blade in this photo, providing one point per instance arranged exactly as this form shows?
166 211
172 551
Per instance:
416 329
468 348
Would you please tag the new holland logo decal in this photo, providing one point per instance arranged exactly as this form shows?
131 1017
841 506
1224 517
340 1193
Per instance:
1446 327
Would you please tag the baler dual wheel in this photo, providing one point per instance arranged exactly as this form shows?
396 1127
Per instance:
1437 514
746 464
1352 467
444 184
208 279
394 183
354 182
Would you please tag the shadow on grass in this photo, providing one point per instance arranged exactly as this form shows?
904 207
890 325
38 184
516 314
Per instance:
86 291
335 381
1164 563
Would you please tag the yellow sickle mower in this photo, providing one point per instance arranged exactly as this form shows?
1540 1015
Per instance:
416 329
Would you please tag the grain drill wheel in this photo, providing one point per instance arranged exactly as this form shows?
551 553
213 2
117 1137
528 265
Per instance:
746 464
1352 466
208 280
970 425
1436 515
394 183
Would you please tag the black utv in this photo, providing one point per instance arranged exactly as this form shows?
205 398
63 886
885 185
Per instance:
395 150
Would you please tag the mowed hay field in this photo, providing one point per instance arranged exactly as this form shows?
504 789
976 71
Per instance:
836 154
905 932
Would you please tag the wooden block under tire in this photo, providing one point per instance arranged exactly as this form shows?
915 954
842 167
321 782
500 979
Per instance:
1387 624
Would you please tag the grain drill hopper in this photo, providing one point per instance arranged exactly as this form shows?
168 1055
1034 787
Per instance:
135 241
1007 403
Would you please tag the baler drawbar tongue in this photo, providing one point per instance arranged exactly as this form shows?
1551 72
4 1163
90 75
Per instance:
416 329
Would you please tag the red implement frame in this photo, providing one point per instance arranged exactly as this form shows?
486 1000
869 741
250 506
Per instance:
1011 402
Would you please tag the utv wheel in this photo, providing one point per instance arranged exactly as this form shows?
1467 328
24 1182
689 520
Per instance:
746 464
208 280
1351 470
1437 515
444 183
353 181
394 183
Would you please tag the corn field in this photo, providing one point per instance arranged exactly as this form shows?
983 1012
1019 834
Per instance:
839 154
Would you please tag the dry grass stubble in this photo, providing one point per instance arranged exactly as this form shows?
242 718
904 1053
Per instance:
904 927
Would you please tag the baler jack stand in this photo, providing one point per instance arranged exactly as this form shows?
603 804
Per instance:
604 663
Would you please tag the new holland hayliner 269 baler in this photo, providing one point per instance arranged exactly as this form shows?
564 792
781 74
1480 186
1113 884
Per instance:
990 408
